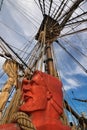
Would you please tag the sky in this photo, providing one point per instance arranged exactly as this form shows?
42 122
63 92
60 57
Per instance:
18 28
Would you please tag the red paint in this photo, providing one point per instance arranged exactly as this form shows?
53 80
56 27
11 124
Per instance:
9 127
44 101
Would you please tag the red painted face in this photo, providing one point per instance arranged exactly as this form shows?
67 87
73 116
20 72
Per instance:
34 95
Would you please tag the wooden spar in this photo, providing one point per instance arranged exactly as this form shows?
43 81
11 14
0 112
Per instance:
49 61
50 36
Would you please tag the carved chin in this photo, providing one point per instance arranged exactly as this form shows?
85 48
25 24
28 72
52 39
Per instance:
26 106
31 107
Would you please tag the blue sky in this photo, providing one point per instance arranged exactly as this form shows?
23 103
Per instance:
74 80
17 29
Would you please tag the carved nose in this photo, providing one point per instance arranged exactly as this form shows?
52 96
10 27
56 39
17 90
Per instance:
25 81
25 85
26 88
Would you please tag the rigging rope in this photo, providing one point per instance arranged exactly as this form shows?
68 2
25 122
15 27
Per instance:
23 13
2 74
62 8
82 14
13 30
81 100
78 31
80 21
1 4
58 8
60 27
44 6
72 56
66 12
70 44
69 13
67 94
37 4
51 1
41 7
15 54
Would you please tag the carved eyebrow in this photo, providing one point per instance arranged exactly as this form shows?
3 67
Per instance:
33 82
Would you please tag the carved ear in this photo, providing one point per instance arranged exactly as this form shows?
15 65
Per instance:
49 95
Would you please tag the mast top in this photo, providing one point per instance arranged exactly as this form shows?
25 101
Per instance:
52 32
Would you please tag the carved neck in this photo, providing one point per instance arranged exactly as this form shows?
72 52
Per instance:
49 114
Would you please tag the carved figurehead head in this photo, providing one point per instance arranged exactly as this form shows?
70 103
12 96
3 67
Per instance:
41 90
42 97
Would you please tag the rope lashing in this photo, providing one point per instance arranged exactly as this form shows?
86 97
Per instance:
23 120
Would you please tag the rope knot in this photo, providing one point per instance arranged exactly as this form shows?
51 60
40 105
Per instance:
23 120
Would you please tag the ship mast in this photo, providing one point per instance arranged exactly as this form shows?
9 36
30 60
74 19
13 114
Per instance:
49 36
48 32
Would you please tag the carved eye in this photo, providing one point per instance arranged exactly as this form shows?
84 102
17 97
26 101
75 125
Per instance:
32 82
